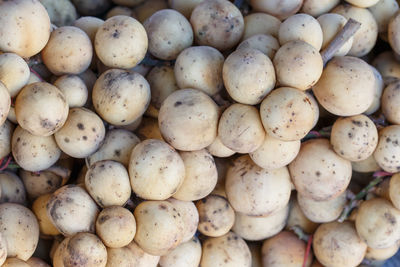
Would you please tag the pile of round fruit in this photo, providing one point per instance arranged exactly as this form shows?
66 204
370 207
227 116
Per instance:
210 133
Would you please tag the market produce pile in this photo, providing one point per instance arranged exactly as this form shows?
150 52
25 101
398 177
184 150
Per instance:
208 133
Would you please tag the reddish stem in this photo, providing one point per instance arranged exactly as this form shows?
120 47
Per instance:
316 133
382 174
6 164
37 74
306 255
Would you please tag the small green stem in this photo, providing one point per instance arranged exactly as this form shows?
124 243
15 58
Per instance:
360 195
13 166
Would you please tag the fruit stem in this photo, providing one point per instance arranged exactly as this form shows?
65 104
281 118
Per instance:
323 133
354 200
37 74
308 249
7 163
349 29
300 233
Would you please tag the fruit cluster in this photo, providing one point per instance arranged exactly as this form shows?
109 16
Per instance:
189 133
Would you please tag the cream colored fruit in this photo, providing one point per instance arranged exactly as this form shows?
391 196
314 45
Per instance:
200 175
45 182
82 133
194 109
322 211
162 83
39 209
218 24
190 217
154 162
187 254
30 113
85 249
278 8
256 228
362 3
11 188
377 223
14 72
298 218
387 66
255 191
226 250
390 189
382 254
354 138
108 184
116 226
20 230
240 128
287 114
89 25
74 90
379 86
390 99
301 27
121 42
68 51
6 131
31 27
298 64
34 153
265 43
73 200
365 38
248 76
121 96
158 227
117 146
275 153
316 8
367 165
218 149
200 67
169 33
346 87
216 216
383 11
318 172
337 244
5 103
284 249
260 23
387 151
